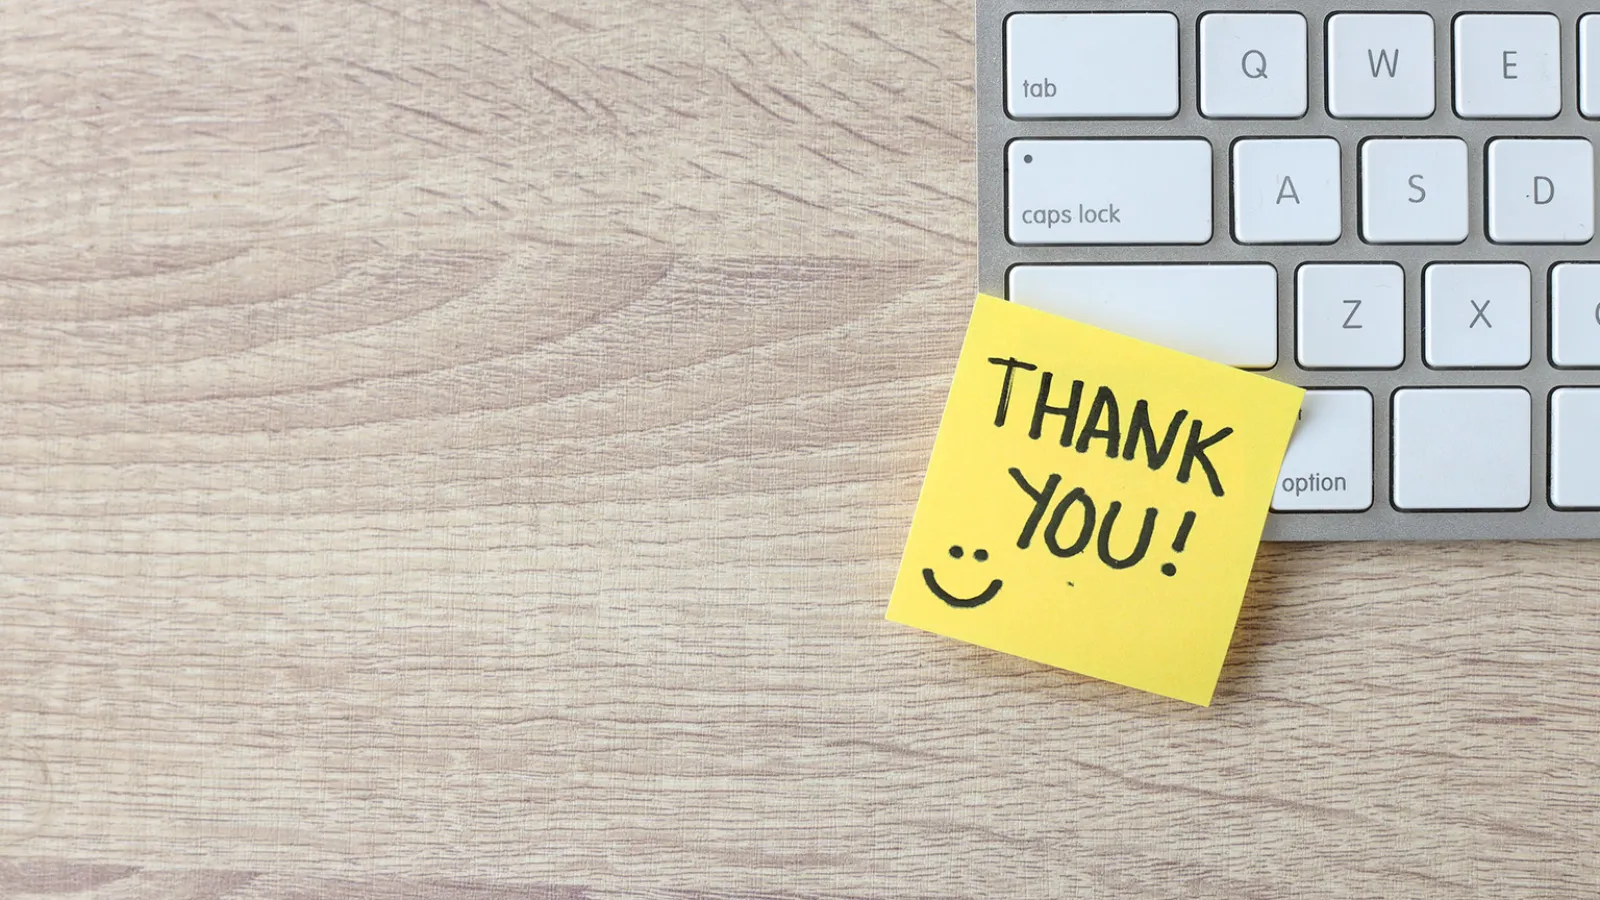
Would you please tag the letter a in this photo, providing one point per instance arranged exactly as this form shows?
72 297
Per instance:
1286 191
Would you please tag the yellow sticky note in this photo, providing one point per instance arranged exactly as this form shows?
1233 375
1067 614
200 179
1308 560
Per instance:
1094 502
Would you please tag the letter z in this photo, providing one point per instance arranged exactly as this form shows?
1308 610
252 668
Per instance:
1355 307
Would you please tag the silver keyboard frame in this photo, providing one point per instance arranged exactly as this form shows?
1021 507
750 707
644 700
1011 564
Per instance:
1382 521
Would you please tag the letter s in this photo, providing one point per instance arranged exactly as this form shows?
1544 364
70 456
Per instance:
1422 193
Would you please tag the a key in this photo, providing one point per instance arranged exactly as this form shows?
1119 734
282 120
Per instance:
1414 191
1350 316
1225 313
1589 66
1329 464
1508 66
1109 192
1462 448
1574 435
1286 192
1380 66
1253 65
1575 317
1477 315
1541 191
1074 65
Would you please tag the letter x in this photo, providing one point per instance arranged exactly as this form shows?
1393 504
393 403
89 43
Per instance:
1480 310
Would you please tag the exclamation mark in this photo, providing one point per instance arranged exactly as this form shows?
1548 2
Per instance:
1168 569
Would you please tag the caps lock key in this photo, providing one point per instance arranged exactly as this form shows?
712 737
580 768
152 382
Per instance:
1069 191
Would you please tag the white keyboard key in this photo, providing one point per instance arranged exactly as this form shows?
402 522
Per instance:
1225 313
1574 437
1462 448
1477 315
1253 65
1508 66
1329 463
1541 191
1075 65
1109 192
1575 316
1286 192
1380 66
1414 191
1589 66
1350 316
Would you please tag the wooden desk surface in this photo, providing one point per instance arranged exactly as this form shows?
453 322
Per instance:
461 450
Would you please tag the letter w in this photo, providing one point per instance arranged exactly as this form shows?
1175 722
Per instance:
1382 61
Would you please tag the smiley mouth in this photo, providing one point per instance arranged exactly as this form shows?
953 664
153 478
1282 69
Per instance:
960 602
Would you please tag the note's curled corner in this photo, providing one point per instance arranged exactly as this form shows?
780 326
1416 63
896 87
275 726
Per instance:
1094 502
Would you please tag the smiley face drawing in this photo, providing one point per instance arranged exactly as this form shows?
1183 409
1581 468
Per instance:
962 602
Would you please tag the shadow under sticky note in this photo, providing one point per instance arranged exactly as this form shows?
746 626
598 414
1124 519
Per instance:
1093 502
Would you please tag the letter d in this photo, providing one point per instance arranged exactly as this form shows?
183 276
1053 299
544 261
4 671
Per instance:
1548 187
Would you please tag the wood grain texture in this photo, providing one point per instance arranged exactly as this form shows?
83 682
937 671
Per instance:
460 450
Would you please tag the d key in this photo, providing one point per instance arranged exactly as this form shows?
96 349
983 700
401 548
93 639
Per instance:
1541 191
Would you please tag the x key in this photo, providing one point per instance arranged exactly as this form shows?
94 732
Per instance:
1457 330
1481 314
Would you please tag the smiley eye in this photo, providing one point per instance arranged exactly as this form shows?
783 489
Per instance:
955 552
980 555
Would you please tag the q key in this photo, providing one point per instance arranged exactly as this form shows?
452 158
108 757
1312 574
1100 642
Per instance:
1253 65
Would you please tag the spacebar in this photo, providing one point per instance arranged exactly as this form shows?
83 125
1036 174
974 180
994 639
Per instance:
1226 313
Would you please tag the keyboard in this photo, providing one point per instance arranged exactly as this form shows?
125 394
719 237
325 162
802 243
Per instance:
1391 206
